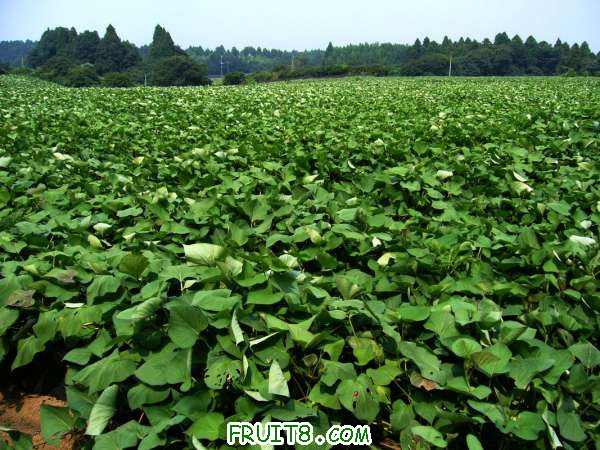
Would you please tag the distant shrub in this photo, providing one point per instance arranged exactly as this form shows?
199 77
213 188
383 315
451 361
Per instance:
179 71
234 78
262 77
84 75
55 69
378 71
340 70
3 68
118 79
21 71
535 71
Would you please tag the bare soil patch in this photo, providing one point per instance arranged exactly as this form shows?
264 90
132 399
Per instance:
22 413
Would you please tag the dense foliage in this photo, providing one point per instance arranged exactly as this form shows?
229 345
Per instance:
503 56
179 71
83 59
234 78
82 76
418 255
286 73
14 53
162 46
68 57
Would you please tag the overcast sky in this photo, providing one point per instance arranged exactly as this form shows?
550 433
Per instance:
305 24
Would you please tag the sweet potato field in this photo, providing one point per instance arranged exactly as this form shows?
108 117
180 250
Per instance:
417 255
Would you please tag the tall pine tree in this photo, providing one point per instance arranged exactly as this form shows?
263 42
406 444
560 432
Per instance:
113 55
163 46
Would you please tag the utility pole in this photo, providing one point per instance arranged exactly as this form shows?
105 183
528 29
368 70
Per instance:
450 68
293 56
145 79
221 65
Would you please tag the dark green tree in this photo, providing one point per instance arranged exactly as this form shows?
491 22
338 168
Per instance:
118 79
85 47
328 57
113 55
234 78
502 39
83 75
56 68
57 42
14 53
163 46
179 71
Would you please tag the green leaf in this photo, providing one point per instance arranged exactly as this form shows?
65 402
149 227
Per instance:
112 369
365 350
94 241
465 347
493 360
561 207
412 313
55 423
151 441
102 286
238 334
442 323
130 212
141 311
204 254
385 374
185 324
334 371
141 395
347 287
318 394
473 443
207 426
569 422
80 401
277 382
215 300
26 350
20 299
7 318
586 353
428 363
125 436
492 411
102 411
221 371
133 264
430 434
523 370
169 366
264 297
528 426
359 397
460 384
402 416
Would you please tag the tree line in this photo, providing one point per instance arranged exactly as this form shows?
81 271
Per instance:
504 56
86 59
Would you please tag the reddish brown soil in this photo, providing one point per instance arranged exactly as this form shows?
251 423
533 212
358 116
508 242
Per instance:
22 413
